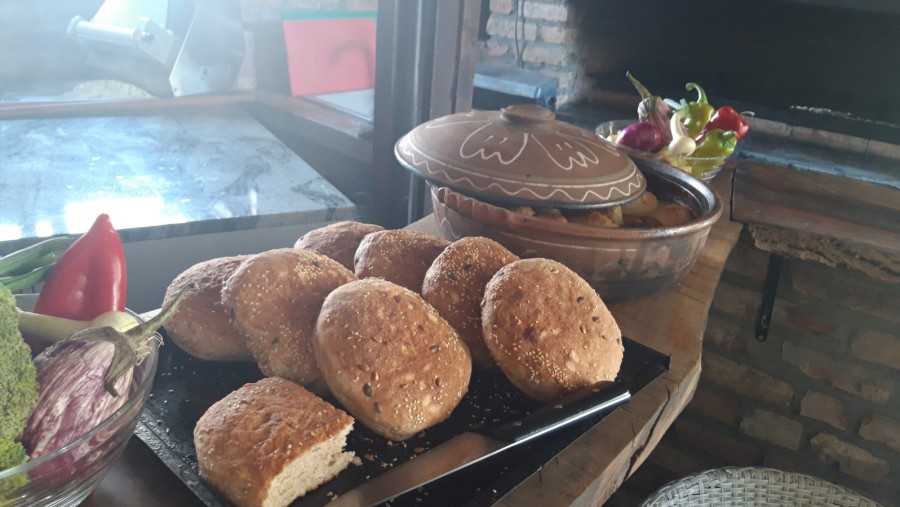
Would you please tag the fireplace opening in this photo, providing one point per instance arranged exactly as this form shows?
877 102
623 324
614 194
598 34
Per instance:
825 64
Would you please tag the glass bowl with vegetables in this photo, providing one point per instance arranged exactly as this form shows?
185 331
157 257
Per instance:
71 391
67 475
93 386
692 136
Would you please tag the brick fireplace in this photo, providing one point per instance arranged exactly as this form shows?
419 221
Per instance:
821 394
780 58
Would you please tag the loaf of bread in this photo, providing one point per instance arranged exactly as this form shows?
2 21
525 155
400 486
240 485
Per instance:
271 441
401 256
201 326
454 286
337 241
274 297
548 330
389 358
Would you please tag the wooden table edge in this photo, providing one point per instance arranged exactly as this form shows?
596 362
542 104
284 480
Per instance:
588 472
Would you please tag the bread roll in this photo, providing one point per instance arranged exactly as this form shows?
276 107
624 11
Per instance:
337 241
548 330
401 256
274 297
454 286
389 358
201 326
271 441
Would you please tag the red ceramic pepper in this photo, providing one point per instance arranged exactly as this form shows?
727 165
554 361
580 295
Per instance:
90 276
728 119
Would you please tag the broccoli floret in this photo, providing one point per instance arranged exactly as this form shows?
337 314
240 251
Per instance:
18 380
11 454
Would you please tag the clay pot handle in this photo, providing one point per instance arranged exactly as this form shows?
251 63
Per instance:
527 114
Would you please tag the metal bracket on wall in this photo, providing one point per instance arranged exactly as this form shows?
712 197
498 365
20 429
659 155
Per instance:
770 291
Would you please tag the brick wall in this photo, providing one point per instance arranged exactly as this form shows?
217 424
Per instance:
535 35
820 396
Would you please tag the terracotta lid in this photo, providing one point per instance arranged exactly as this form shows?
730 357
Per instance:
520 155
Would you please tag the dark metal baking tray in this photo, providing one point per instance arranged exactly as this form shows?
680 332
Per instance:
185 387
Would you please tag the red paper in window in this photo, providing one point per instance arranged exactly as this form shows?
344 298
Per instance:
330 55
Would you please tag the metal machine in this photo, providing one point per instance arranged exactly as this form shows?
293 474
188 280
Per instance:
169 48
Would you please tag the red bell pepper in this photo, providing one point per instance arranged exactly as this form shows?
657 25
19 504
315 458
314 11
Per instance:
90 276
728 119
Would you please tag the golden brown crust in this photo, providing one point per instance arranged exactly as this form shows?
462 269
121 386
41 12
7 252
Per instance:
454 286
401 256
274 297
337 241
390 358
548 330
248 439
201 326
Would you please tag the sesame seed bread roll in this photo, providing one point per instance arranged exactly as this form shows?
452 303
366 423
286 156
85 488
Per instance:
201 327
271 441
401 256
548 330
454 286
274 297
389 358
337 241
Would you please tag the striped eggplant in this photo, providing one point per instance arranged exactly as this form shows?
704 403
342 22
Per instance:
85 379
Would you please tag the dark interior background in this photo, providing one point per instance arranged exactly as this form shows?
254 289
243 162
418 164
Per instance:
843 56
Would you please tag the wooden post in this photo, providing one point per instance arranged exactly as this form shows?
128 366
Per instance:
425 56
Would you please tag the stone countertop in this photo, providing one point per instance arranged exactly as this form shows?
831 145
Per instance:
157 176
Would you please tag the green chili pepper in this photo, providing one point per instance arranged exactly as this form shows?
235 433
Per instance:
712 150
716 143
698 112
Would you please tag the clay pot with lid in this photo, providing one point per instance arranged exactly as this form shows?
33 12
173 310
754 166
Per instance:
521 155
480 163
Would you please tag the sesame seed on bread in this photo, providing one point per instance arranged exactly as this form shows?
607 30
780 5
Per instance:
400 256
271 441
337 241
274 297
201 326
389 358
454 286
548 330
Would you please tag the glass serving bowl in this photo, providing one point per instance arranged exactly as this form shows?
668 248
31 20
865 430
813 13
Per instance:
67 476
703 168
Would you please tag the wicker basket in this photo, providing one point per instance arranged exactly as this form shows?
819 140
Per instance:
756 486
